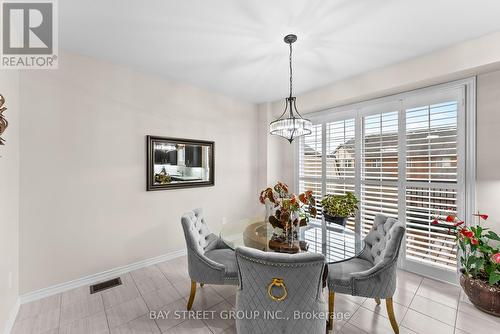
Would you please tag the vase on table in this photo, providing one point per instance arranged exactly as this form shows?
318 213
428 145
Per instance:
287 212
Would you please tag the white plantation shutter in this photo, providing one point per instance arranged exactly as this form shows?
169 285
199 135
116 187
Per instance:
380 147
431 143
375 199
379 167
431 181
402 156
310 164
425 242
310 154
340 150
340 159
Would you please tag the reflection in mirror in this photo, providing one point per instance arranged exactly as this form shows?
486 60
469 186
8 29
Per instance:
174 163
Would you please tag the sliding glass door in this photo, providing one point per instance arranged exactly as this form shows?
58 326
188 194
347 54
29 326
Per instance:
403 156
434 180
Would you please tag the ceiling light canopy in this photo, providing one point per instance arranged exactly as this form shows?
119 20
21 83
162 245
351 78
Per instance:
290 124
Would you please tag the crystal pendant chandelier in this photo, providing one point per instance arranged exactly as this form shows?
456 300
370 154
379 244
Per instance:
290 124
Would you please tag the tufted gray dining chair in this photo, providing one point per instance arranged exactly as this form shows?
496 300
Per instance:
210 260
372 274
275 288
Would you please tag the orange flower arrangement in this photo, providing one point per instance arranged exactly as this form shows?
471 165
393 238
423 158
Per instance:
290 209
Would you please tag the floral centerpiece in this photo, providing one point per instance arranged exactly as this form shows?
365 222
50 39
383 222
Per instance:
479 260
288 214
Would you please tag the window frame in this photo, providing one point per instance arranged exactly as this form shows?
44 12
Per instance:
466 145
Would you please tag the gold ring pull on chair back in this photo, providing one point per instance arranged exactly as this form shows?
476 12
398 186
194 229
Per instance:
277 282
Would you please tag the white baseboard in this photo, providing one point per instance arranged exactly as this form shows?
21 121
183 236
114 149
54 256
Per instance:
91 279
439 274
12 317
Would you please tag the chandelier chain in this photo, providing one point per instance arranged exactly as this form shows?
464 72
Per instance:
291 73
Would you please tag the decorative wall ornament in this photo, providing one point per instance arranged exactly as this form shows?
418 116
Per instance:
3 122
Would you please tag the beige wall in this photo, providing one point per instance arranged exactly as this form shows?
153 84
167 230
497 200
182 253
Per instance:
488 153
271 158
9 198
84 208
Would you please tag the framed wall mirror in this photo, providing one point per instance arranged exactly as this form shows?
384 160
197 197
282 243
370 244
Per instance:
179 163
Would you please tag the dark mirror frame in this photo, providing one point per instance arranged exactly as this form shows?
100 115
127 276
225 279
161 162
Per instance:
150 186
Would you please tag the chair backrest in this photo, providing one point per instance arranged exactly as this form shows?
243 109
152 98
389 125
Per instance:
264 276
198 236
383 241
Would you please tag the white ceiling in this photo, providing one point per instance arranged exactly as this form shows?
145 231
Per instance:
236 47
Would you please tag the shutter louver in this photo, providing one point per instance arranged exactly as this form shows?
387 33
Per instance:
340 159
431 158
340 150
377 199
310 154
426 242
380 147
379 191
431 143
310 164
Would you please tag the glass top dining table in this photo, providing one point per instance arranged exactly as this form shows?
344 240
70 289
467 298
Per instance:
335 242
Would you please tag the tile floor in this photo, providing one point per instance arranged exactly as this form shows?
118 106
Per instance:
422 306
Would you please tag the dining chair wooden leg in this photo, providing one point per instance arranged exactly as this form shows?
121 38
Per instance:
191 296
377 300
331 303
392 317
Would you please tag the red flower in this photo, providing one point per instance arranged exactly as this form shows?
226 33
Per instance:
458 223
270 195
481 215
474 241
496 258
466 233
293 200
302 198
450 218
262 197
435 222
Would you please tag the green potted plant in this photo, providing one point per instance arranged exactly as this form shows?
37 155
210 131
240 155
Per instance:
479 261
337 208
